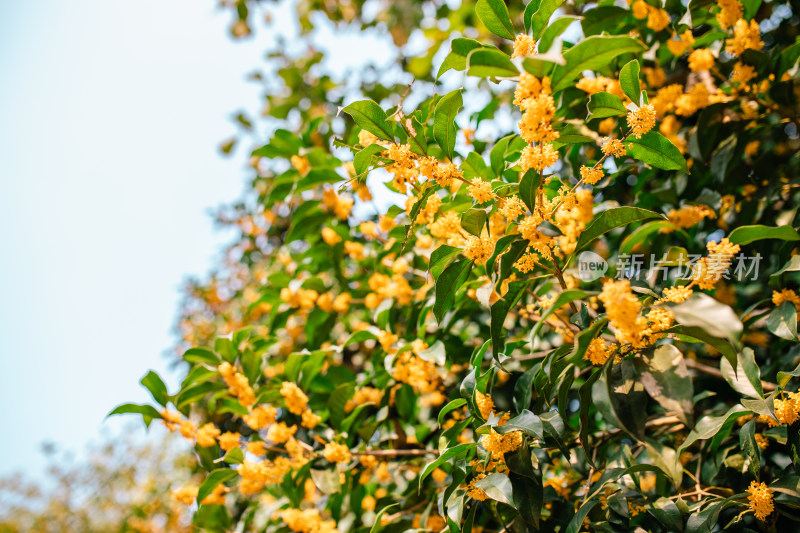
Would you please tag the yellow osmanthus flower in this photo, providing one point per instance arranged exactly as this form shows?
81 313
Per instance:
707 271
362 396
257 447
415 371
296 400
237 384
613 147
761 500
336 453
310 420
260 417
300 164
680 43
171 419
307 521
474 492
481 190
676 294
598 352
366 138
228 440
186 494
746 36
478 249
498 445
742 74
687 216
623 308
511 207
640 120
701 59
591 175
330 236
187 429
207 435
729 12
524 45
279 432
786 295
539 157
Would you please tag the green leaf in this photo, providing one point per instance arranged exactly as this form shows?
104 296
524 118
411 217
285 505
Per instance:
602 105
782 321
440 258
497 486
529 186
451 406
131 408
714 317
629 80
473 220
234 455
665 511
748 234
536 22
555 29
457 58
562 299
527 422
214 478
369 116
747 442
490 63
444 121
667 380
363 158
641 234
447 284
785 377
337 401
657 151
376 526
499 311
697 334
576 523
708 426
201 355
418 141
444 457
610 219
746 379
494 15
156 386
592 53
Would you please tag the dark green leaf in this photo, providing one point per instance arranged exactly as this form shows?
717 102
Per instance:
657 151
592 53
444 121
448 283
490 63
748 234
629 80
156 386
369 116
494 15
529 186
610 219
214 478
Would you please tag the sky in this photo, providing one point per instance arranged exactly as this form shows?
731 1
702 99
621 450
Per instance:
111 112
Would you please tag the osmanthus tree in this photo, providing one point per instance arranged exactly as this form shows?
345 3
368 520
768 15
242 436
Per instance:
577 313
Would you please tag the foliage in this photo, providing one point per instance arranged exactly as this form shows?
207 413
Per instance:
442 356
123 485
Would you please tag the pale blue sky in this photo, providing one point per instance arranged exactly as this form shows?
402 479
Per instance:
110 115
